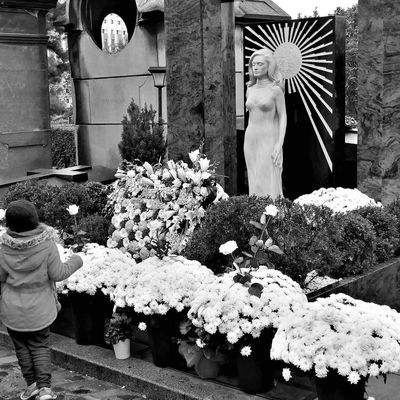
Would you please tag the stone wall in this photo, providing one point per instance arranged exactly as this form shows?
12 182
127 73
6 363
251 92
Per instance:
24 95
379 99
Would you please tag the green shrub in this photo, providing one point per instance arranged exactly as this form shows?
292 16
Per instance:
385 225
96 227
307 237
63 147
142 137
227 220
394 209
52 201
356 246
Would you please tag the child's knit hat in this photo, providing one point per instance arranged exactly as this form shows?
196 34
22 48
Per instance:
21 216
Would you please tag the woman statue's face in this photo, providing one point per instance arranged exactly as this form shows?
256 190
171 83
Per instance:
260 66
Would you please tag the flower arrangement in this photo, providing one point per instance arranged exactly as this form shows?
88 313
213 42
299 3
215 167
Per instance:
156 206
118 329
169 283
352 337
339 200
103 268
225 307
259 247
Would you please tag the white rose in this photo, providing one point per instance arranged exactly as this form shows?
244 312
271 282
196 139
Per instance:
73 209
271 210
228 247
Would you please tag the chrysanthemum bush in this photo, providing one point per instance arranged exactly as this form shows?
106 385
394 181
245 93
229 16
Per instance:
314 238
103 269
339 200
159 285
155 206
351 337
225 308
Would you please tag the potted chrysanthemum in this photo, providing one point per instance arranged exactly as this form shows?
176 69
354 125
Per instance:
227 316
341 340
89 289
159 296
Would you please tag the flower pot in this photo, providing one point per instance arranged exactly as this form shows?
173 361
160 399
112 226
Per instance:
88 315
207 369
337 387
161 330
122 349
255 371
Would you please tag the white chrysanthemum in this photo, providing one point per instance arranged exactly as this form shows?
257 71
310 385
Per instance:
338 199
287 375
142 326
245 351
355 338
227 307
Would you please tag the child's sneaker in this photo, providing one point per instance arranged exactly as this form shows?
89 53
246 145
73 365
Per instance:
29 392
46 393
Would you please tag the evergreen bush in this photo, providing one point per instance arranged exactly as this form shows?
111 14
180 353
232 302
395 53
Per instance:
394 209
227 220
356 246
52 201
63 147
385 225
307 235
142 138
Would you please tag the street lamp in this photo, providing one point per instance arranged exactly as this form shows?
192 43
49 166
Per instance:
158 74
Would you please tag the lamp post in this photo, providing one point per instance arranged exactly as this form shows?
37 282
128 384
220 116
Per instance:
158 74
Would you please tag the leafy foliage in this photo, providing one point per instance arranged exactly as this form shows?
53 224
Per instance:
118 329
357 245
351 17
307 236
58 64
63 148
385 225
142 137
52 201
394 209
227 220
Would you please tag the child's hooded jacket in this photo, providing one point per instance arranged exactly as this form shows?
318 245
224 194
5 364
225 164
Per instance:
29 267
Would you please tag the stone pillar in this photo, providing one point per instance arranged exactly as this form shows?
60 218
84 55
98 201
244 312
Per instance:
379 99
24 95
201 82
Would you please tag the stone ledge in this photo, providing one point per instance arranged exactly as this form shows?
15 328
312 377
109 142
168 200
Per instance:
136 374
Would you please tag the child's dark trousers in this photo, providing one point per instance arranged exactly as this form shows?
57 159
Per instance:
33 354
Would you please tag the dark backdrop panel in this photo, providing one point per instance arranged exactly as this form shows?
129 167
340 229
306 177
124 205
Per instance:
310 54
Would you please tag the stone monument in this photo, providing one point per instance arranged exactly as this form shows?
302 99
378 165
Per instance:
24 96
201 82
378 164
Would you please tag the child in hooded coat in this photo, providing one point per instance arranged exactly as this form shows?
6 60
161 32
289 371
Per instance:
29 267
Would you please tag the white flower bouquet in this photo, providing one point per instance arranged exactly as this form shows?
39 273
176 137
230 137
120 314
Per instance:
351 337
339 200
159 285
103 268
228 308
156 206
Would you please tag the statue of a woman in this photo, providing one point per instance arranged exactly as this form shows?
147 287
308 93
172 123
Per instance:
266 127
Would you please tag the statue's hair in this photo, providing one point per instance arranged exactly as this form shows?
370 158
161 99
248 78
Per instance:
273 71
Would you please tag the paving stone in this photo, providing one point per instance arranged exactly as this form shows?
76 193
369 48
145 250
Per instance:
8 360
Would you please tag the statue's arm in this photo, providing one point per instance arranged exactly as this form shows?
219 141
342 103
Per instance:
281 112
277 157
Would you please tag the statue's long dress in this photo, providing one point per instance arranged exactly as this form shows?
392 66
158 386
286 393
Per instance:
262 132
